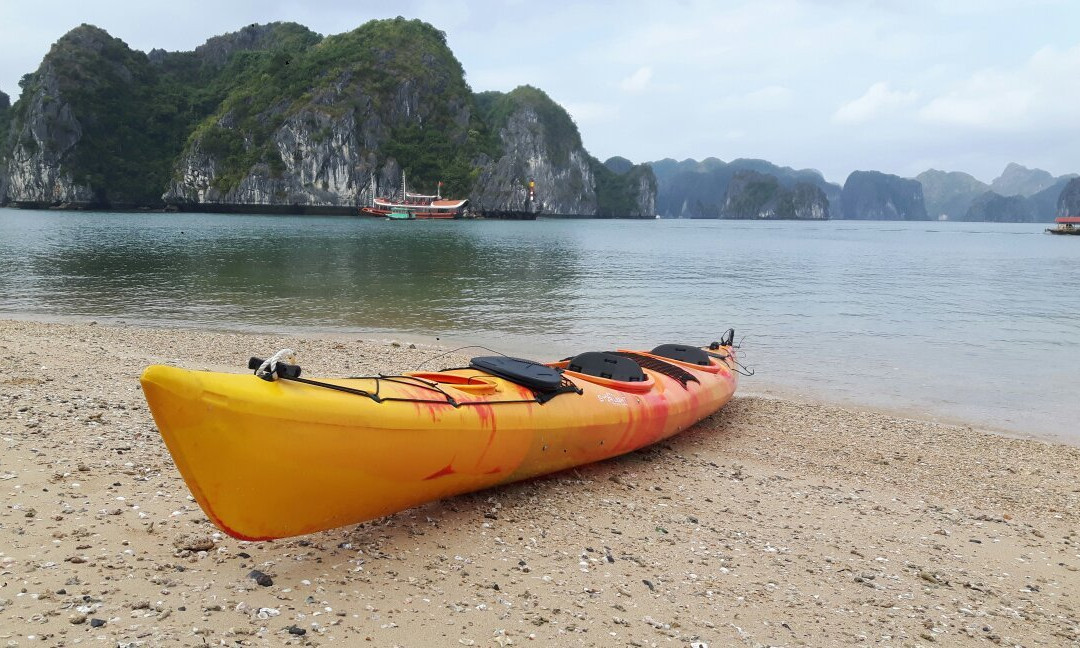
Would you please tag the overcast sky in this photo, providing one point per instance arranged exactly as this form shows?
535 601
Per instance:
898 86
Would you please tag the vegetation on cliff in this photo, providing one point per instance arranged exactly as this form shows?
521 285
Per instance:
111 91
359 71
754 195
561 135
388 95
692 189
949 194
247 77
1018 180
995 208
872 195
5 119
1068 203
135 114
618 187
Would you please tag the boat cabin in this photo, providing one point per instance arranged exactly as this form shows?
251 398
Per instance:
1066 225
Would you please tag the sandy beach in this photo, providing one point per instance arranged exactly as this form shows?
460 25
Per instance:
771 523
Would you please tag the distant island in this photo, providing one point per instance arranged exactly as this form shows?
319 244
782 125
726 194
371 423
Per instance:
707 189
277 118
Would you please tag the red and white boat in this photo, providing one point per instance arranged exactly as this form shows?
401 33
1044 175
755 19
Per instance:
419 206
1066 225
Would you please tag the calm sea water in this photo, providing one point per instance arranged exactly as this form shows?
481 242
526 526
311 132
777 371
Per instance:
972 322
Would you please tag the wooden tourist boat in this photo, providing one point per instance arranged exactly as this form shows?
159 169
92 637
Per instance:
1066 225
420 206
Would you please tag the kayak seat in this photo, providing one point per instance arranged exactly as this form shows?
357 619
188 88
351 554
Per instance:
534 375
682 353
606 365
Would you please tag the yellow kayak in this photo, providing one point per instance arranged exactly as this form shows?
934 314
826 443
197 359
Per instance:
275 454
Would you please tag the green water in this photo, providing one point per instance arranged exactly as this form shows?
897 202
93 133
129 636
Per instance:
960 321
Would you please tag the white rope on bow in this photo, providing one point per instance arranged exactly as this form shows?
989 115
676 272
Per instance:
269 367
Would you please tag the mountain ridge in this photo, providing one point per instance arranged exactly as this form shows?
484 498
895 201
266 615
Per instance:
278 116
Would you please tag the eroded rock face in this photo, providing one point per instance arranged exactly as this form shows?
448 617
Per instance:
995 208
332 131
759 196
40 145
693 189
563 187
948 195
645 194
1018 180
871 195
333 144
1069 201
324 160
5 115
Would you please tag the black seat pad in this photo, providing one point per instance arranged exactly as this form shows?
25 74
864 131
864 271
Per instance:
527 373
606 365
683 353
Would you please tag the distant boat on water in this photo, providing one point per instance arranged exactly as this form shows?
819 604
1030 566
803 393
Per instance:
409 206
1066 225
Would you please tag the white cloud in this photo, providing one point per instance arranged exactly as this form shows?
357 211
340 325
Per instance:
1038 94
638 81
878 102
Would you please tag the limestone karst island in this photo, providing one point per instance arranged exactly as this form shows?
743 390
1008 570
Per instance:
276 118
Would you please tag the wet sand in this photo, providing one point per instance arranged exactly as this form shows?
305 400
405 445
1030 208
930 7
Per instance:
773 522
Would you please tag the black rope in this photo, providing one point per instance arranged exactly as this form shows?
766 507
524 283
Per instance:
539 398
341 388
740 368
461 348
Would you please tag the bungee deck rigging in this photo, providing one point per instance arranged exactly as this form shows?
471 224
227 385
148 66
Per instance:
544 381
279 454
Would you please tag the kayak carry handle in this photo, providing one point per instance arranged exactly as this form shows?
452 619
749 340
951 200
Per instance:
727 340
284 370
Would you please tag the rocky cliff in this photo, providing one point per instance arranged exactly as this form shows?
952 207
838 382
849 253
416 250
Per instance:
995 208
949 194
101 124
624 189
538 142
276 116
1040 207
1018 180
640 192
318 123
5 117
758 196
692 189
1068 203
953 195
44 129
871 195
1045 202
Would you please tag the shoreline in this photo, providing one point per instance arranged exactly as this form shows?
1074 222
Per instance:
757 386
772 522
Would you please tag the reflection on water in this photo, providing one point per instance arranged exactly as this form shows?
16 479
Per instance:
280 272
963 320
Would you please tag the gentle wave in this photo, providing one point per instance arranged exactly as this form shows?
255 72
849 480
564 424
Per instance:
960 321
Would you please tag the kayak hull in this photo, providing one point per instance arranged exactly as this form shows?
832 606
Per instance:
272 459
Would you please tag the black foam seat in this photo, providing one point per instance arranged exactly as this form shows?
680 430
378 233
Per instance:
535 376
606 365
683 353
